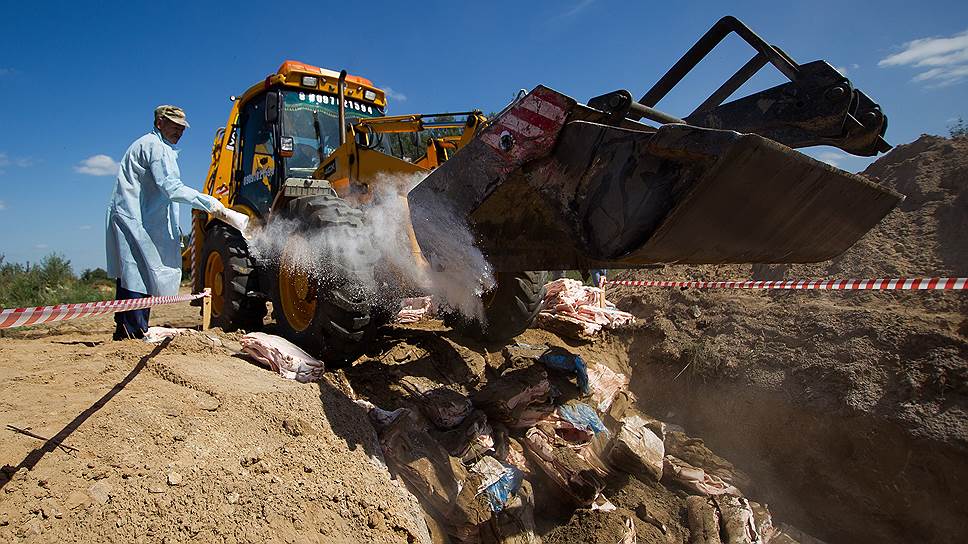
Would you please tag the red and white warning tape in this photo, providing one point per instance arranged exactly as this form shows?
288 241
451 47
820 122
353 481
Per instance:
22 317
890 284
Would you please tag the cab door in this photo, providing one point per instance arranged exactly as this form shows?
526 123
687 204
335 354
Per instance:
259 169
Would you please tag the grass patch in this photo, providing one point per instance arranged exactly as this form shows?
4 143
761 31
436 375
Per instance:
50 282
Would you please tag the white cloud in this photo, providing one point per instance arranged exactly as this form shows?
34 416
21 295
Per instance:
3 205
19 162
575 10
946 58
832 158
85 227
847 68
41 246
942 77
97 165
394 95
7 72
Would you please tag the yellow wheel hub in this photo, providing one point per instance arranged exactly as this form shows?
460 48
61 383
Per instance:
215 279
297 293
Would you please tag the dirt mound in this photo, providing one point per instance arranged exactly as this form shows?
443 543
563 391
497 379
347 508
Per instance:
862 396
924 236
127 442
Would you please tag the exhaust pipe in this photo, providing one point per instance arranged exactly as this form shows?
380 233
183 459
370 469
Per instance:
342 107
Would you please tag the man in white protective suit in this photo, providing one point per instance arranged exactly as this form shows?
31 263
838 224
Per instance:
143 237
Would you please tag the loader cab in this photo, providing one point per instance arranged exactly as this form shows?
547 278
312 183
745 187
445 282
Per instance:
290 124
311 121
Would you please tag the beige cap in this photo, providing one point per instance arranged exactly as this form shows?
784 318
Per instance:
172 113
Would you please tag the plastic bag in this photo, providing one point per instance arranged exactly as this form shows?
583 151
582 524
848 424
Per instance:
605 384
567 362
637 450
695 479
506 398
515 523
577 422
499 482
446 489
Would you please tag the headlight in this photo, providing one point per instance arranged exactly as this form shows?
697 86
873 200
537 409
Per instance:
310 81
369 95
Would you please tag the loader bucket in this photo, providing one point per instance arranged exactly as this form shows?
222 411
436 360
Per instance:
552 184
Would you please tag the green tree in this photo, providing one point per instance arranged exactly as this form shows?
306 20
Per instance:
958 129
96 275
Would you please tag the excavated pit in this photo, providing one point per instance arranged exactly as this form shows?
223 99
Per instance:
849 411
839 476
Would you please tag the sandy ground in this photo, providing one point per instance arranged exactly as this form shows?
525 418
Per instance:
128 442
187 441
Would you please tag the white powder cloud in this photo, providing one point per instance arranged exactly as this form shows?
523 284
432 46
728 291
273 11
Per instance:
97 165
945 59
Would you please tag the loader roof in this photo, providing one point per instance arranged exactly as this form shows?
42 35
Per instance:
296 74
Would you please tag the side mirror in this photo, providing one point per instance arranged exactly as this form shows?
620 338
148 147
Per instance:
272 107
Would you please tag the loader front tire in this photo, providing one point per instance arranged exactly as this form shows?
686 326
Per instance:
322 306
229 271
509 308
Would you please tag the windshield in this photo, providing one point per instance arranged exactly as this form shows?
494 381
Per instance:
298 111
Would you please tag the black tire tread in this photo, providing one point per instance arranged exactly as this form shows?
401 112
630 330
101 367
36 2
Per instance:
342 309
511 307
242 309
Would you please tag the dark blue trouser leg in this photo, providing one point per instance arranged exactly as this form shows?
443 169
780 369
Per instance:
597 276
133 323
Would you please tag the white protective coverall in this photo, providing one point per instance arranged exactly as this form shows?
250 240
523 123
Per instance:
143 247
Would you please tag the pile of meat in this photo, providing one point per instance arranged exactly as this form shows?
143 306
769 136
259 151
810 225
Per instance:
570 308
575 309
413 310
484 450
282 356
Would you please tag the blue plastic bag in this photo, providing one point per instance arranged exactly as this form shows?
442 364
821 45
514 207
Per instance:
582 416
566 362
500 492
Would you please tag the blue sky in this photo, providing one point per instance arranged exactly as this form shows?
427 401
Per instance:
78 83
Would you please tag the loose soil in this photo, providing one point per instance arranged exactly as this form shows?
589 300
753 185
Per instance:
845 412
848 409
128 442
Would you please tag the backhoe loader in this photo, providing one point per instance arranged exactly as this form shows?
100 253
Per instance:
546 184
